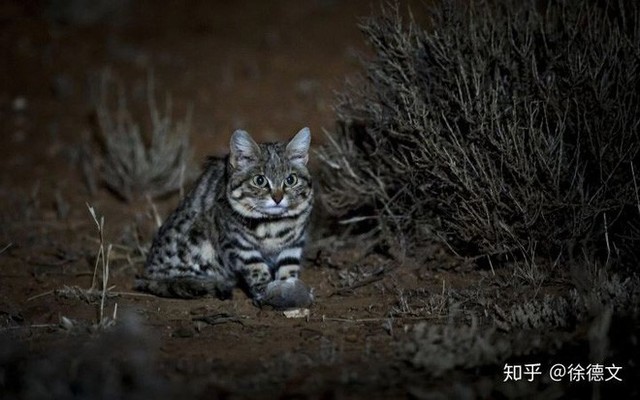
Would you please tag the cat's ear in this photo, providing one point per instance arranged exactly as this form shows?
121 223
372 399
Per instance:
298 147
243 150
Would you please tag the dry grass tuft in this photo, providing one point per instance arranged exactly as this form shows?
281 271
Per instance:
102 260
136 163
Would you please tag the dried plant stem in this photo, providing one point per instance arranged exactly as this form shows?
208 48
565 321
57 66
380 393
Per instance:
102 259
100 255
635 186
5 248
105 279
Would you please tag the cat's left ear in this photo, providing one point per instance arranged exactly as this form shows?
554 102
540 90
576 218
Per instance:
298 147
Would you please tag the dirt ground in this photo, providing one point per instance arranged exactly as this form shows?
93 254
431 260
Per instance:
268 67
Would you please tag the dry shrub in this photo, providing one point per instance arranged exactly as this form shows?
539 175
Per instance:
534 326
138 162
507 129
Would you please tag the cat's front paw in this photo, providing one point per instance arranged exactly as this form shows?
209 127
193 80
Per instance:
286 294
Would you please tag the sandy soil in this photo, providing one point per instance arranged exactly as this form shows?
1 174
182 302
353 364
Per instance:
268 67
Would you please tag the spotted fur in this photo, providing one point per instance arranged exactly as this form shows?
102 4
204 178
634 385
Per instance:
243 223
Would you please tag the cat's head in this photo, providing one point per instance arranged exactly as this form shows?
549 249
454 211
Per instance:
270 179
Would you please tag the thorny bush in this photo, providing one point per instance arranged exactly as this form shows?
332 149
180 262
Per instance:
505 129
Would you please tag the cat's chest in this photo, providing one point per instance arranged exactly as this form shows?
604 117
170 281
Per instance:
273 237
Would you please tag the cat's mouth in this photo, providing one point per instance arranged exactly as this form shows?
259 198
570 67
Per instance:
270 207
275 210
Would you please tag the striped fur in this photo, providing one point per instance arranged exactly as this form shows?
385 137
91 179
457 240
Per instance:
243 223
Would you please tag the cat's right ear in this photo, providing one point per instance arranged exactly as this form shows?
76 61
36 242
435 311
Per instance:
243 150
298 147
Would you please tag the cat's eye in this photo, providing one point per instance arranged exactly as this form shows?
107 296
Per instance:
260 181
291 180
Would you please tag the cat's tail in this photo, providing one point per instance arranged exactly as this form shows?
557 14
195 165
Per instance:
184 287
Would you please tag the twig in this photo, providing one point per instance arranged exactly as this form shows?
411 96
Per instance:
100 255
606 238
361 320
41 295
218 319
376 276
154 210
493 272
635 185
110 290
105 279
5 248
357 219
9 328
133 294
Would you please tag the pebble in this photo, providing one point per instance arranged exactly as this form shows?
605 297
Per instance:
19 104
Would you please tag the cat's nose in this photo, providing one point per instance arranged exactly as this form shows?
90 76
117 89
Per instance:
277 196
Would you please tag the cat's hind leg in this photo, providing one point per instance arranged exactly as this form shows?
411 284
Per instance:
186 266
185 287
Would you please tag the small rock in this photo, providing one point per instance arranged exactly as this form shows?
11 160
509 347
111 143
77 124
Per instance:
297 313
19 104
